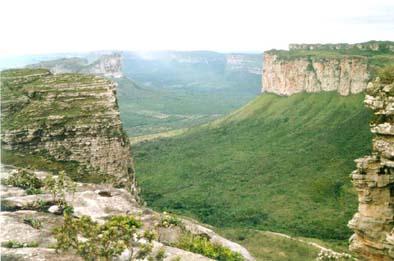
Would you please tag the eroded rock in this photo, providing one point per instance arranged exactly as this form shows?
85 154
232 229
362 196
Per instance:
373 224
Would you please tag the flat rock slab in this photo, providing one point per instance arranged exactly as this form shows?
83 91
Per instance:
196 228
14 228
171 253
36 254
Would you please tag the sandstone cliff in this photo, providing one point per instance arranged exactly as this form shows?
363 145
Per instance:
108 65
286 77
314 68
374 181
67 117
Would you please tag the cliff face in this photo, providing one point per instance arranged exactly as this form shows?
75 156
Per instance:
374 181
283 76
109 65
68 118
345 68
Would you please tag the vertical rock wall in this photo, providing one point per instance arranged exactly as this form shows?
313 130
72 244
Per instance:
287 76
374 181
68 118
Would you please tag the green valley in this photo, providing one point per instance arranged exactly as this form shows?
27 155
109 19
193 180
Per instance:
279 163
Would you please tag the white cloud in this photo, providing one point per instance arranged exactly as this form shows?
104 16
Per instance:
44 26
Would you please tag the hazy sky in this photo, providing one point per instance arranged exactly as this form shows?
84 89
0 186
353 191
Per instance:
46 26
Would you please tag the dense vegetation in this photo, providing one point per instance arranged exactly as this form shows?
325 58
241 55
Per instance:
279 163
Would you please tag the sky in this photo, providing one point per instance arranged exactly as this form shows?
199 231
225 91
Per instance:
50 26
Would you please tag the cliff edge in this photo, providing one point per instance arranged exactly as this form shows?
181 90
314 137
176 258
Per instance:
315 68
70 120
373 179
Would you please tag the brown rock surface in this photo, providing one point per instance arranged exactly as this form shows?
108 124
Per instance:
66 118
346 75
373 179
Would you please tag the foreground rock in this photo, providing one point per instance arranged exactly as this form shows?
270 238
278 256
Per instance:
99 201
374 180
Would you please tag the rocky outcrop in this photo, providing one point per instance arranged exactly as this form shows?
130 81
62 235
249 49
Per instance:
99 202
290 75
68 118
108 65
373 179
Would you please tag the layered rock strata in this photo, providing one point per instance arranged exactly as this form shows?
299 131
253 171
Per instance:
67 118
287 76
373 179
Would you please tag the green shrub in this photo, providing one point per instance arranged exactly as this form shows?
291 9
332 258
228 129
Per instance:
25 180
16 244
144 251
168 220
58 186
35 223
386 74
201 245
149 235
93 241
161 254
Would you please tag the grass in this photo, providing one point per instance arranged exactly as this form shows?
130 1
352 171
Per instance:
267 246
42 161
201 245
149 110
279 164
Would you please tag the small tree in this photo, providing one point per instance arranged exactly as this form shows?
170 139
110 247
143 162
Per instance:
58 186
93 241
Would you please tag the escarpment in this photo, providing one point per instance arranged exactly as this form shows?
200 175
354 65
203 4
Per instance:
68 119
343 68
373 179
108 65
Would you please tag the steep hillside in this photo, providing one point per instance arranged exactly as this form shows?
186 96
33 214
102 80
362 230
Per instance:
333 67
279 163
